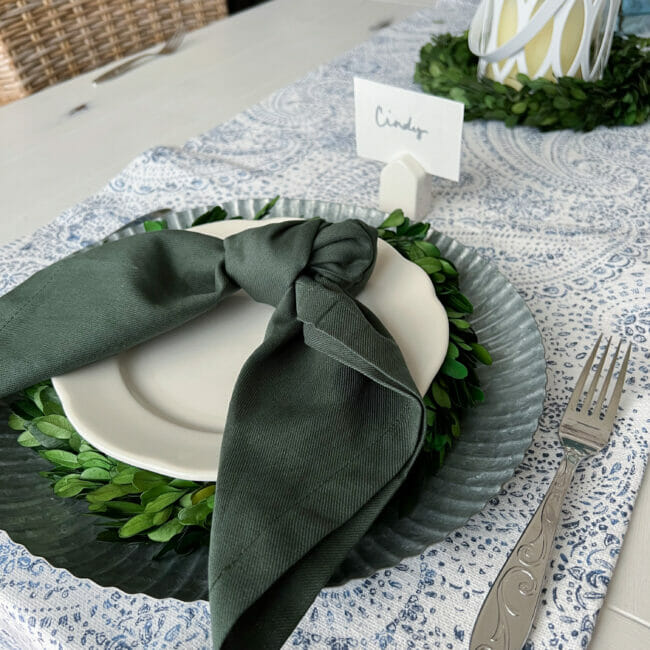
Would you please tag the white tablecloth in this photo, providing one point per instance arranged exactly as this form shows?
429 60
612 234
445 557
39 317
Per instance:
563 215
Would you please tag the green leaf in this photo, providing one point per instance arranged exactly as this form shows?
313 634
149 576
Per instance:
460 323
136 525
196 514
429 264
55 426
70 486
61 458
163 501
203 493
458 95
434 69
157 490
394 219
96 474
52 408
186 500
162 516
578 93
401 230
215 214
34 393
414 253
183 483
26 439
481 354
266 209
630 118
125 476
452 351
50 395
417 231
26 409
448 268
46 441
441 441
152 226
454 369
16 423
476 393
428 248
109 492
457 301
144 479
126 507
165 532
440 395
455 424
94 459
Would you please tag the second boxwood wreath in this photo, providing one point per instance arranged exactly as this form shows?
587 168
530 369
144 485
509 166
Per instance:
447 68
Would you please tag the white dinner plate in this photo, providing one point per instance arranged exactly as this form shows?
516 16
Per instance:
162 405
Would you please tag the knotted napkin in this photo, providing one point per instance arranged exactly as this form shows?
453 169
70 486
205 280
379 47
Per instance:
325 419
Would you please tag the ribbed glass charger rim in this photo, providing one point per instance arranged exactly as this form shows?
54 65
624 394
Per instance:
495 437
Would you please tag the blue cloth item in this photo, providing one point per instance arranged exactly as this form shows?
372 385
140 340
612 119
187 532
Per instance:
639 25
635 7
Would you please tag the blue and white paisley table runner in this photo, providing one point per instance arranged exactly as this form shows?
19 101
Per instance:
563 215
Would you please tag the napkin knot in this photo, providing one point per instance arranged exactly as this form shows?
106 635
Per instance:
267 261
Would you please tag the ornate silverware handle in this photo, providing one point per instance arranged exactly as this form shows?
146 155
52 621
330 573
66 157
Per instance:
507 612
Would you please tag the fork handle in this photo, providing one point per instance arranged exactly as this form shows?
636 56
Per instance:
122 67
507 613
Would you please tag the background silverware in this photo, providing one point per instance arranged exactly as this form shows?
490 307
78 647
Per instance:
507 613
169 47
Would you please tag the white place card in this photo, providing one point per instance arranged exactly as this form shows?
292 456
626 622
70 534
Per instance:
392 121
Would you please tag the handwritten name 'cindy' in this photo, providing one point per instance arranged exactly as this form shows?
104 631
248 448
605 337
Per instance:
384 119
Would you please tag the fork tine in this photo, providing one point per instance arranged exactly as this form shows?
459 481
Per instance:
612 407
605 386
176 38
577 391
594 381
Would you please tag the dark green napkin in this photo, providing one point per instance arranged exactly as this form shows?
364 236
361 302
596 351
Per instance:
325 420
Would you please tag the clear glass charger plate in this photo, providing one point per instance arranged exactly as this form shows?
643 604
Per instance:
494 438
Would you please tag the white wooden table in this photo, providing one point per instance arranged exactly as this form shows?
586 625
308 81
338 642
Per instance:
68 141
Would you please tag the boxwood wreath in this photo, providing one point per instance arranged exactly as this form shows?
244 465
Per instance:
139 506
447 68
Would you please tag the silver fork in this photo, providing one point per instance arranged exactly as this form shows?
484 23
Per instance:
507 613
169 47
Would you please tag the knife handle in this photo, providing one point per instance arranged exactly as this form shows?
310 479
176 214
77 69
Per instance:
507 613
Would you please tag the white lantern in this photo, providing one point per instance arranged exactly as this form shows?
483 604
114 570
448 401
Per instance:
543 38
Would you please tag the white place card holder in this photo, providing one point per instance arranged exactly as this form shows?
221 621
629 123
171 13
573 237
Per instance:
417 135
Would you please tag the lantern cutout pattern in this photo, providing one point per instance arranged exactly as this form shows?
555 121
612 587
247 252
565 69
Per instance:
543 38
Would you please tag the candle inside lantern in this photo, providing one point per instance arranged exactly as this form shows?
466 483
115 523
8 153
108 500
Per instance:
536 50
